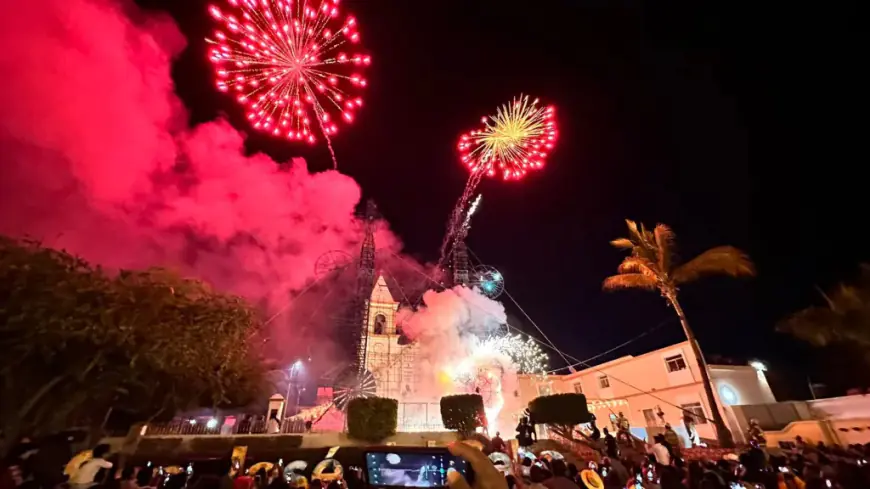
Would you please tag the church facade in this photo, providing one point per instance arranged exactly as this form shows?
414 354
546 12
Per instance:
392 361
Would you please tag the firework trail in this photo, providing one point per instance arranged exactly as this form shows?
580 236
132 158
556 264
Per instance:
285 61
517 139
462 231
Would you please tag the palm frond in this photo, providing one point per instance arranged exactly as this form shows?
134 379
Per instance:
623 243
634 234
721 260
816 325
665 239
629 281
637 264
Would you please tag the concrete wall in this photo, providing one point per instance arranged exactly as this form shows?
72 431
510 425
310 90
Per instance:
164 448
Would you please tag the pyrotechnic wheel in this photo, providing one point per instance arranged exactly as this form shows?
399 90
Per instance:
489 281
331 261
352 384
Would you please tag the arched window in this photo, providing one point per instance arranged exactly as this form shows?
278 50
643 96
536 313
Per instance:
380 324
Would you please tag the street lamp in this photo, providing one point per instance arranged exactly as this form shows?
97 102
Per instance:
758 366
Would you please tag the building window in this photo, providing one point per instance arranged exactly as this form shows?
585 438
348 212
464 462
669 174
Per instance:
649 416
675 363
380 324
578 387
696 411
544 389
603 382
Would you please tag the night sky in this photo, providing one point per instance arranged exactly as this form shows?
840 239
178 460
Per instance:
733 124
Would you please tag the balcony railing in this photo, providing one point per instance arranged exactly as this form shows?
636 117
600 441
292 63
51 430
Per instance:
208 427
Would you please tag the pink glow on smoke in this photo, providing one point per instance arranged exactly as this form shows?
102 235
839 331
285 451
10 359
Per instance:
97 158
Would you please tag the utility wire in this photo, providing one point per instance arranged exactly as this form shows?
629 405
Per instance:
587 365
654 328
293 299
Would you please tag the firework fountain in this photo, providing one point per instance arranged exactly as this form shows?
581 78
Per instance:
489 366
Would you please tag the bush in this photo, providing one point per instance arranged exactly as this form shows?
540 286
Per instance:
561 411
372 418
463 413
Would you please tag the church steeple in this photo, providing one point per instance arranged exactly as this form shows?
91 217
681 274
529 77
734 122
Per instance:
381 292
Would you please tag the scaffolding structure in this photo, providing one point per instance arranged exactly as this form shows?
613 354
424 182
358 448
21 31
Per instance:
365 281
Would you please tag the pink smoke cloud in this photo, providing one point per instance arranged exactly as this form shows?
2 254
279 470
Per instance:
97 158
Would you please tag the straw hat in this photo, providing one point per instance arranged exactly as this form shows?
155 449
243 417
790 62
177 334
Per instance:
591 479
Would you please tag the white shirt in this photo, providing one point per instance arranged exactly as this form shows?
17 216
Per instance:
87 472
661 454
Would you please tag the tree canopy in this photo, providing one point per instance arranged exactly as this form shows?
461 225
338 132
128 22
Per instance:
79 343
844 319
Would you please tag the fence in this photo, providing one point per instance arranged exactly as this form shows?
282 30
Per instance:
419 416
212 426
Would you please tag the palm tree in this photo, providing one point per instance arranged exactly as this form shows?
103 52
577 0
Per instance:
652 265
844 319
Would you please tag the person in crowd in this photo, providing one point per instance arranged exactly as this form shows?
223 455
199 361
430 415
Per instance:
660 451
273 426
623 427
176 481
559 479
225 475
537 475
84 477
610 445
144 477
261 479
689 424
278 483
243 481
673 439
614 471
498 445
208 481
756 434
573 472
525 432
316 484
596 433
128 479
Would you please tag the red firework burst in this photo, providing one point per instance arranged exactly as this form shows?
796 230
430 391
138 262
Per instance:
291 64
518 138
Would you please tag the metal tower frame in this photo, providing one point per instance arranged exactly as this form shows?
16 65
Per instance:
460 264
365 282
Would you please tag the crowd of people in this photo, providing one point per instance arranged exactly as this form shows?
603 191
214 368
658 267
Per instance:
801 466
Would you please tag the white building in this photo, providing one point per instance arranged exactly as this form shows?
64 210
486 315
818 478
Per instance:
657 388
